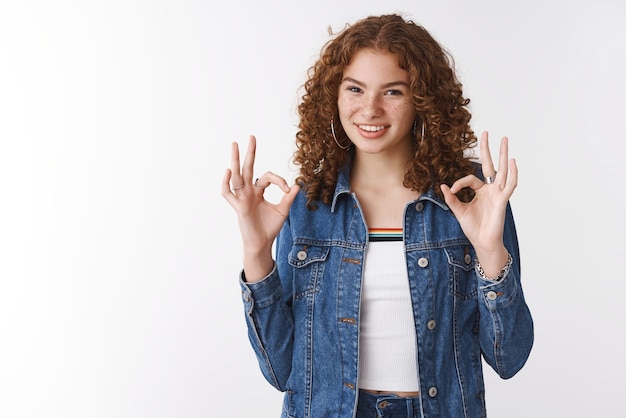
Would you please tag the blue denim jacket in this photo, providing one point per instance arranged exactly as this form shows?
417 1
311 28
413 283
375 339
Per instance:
303 318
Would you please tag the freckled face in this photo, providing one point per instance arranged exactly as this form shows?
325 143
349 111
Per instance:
375 105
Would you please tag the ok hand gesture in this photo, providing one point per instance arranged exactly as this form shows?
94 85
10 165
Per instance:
482 219
259 220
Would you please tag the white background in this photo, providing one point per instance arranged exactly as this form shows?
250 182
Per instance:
119 258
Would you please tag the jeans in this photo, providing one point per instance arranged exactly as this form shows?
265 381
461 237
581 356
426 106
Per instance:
387 406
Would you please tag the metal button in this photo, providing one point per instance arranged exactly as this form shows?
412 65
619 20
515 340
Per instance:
492 295
431 324
422 262
246 297
383 404
301 255
468 258
419 206
432 392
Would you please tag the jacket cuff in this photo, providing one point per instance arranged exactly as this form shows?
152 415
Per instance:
498 294
262 293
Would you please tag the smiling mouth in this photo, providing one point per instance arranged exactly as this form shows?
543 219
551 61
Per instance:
371 128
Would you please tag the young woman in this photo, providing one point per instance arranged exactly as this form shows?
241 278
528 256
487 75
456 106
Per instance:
397 267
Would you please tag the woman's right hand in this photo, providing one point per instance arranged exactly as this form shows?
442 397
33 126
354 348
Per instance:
259 220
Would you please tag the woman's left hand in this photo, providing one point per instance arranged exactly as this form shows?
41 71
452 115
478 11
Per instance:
482 219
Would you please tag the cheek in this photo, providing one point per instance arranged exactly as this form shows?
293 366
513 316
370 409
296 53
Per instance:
403 111
346 105
345 108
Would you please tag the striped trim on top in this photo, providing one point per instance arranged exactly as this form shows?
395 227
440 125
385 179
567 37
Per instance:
385 234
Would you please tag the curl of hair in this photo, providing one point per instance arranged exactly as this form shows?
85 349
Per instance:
442 157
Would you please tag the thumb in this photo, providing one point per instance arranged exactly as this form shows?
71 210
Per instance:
452 201
287 200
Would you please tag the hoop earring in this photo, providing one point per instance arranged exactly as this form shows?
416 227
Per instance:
332 130
415 130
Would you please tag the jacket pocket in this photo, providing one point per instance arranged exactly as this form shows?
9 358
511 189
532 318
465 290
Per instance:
461 261
308 262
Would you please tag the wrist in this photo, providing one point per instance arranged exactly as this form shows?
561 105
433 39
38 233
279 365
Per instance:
257 265
491 262
504 270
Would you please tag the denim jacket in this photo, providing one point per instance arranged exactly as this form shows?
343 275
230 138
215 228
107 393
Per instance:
303 318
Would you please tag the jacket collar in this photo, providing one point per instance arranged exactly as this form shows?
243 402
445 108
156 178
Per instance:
343 187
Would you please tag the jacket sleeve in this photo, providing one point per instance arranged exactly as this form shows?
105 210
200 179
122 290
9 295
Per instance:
506 325
270 321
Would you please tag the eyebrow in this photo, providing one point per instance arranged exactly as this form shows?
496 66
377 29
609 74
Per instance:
386 85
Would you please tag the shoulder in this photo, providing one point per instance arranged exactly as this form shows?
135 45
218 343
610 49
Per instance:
300 206
302 209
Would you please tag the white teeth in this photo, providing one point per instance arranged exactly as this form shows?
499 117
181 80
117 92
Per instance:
371 128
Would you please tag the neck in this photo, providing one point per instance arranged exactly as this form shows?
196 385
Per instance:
377 180
375 171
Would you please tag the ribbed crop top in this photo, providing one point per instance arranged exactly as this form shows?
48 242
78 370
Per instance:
388 352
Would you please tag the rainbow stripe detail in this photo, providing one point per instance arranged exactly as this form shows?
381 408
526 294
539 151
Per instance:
385 234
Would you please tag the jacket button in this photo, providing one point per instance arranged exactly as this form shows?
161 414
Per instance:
492 295
419 206
431 324
422 262
432 392
468 258
301 255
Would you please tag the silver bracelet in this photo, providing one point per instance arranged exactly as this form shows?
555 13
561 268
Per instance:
503 271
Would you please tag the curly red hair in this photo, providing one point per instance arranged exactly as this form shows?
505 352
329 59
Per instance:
437 96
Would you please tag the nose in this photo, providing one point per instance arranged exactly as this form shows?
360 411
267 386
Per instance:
372 106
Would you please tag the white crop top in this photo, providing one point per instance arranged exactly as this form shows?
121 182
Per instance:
387 346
